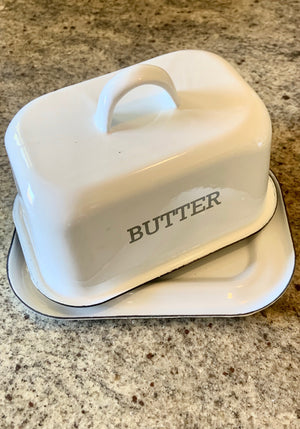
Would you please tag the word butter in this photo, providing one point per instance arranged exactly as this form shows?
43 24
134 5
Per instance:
181 213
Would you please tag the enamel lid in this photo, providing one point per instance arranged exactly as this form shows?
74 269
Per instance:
147 113
97 161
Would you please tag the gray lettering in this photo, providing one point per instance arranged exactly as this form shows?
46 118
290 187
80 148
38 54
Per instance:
135 231
156 227
213 197
197 205
182 211
152 226
168 216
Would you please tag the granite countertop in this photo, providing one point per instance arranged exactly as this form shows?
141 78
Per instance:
179 373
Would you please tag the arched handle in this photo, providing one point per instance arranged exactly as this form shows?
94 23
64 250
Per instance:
122 83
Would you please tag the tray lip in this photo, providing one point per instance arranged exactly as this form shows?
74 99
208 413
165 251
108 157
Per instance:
158 316
271 184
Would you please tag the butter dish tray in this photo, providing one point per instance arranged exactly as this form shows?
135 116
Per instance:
238 280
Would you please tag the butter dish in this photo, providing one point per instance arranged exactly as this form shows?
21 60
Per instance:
128 176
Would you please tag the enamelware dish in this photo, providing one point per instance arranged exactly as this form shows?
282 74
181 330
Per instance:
128 176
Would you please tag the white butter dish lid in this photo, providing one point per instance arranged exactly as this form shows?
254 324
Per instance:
116 190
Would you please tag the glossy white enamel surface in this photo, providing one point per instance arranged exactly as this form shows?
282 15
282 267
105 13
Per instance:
82 190
238 280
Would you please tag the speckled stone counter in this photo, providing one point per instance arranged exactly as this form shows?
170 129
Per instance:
181 373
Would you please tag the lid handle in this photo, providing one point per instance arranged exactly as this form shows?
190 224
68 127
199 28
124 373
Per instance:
122 83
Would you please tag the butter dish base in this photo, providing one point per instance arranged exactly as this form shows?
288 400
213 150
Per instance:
238 280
